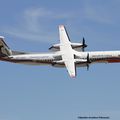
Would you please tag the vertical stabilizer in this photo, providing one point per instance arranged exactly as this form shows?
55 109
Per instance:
4 49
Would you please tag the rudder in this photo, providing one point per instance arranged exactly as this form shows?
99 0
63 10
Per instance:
4 49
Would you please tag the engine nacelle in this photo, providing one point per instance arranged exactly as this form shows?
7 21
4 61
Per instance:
76 46
55 47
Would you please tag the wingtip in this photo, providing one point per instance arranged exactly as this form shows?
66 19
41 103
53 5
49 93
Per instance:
61 26
73 76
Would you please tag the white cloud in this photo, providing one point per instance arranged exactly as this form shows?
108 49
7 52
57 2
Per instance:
96 15
32 18
34 24
98 12
37 23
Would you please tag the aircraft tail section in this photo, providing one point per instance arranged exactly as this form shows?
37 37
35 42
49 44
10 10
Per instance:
4 49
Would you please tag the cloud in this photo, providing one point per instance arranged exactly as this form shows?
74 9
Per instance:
36 24
32 18
98 12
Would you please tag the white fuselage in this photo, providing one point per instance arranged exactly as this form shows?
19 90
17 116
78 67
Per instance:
49 58
65 54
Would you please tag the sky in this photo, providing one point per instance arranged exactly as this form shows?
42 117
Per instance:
44 92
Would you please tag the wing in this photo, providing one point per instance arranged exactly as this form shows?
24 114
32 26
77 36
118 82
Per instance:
67 51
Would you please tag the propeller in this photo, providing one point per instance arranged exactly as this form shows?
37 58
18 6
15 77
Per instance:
84 44
88 61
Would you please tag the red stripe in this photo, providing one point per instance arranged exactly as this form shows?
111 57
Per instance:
113 61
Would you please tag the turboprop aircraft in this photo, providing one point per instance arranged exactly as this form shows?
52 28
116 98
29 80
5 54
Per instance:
65 54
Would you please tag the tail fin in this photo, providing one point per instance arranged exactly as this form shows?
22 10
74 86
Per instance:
4 49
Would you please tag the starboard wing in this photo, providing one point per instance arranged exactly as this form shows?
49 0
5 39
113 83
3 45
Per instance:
67 51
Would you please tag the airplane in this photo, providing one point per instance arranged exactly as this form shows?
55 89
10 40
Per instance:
65 54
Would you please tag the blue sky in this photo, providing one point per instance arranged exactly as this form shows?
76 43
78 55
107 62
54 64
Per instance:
43 92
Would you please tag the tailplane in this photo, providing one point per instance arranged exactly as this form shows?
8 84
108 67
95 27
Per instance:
4 49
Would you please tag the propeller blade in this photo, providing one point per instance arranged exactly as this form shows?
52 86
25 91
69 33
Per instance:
83 40
83 49
84 44
88 58
88 67
88 61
